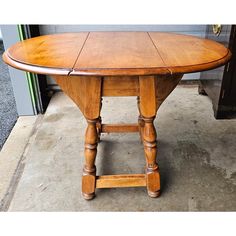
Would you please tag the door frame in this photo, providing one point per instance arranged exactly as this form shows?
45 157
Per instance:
25 85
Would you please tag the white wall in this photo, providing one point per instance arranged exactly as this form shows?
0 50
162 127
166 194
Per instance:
18 78
196 30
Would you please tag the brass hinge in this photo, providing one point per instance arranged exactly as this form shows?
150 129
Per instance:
217 29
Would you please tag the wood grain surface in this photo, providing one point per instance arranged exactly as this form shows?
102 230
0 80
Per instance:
48 54
118 50
121 181
116 53
184 53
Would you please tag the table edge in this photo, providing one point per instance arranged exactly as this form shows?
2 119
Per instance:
116 71
33 68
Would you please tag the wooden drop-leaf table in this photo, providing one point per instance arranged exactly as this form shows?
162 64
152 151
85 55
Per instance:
90 65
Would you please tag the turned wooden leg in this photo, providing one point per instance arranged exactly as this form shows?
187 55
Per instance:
150 149
89 170
86 92
140 120
148 109
99 123
99 128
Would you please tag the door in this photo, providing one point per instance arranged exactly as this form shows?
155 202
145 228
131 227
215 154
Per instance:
220 84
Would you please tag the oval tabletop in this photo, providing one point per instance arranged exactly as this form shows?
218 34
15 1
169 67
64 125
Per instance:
116 53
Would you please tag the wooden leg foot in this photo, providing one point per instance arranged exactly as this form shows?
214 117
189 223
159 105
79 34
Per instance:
154 194
88 196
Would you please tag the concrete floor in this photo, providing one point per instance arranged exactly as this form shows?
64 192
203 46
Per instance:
197 159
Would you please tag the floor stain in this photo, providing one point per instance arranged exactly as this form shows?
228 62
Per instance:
203 178
190 151
53 117
45 144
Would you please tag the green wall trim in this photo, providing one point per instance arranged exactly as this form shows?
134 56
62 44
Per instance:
30 77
